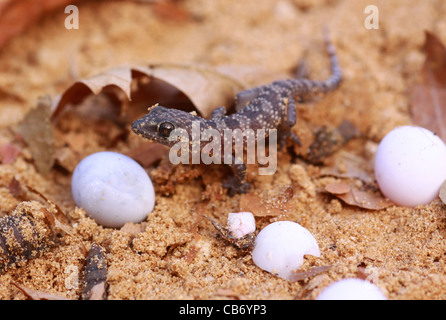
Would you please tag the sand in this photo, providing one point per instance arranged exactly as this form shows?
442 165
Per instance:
176 253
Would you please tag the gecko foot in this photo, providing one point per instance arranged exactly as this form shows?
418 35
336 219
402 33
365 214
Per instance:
294 138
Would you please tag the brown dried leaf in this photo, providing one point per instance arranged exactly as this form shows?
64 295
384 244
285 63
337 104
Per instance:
352 196
9 153
148 153
266 205
15 188
170 10
428 99
435 64
299 275
118 78
349 165
37 294
60 215
37 131
205 87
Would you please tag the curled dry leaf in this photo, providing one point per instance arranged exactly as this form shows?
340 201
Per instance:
267 205
8 153
37 294
205 87
348 165
148 153
353 196
299 275
428 99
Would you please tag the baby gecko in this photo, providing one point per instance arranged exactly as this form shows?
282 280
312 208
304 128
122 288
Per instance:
270 106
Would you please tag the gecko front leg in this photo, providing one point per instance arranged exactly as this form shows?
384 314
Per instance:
284 130
237 183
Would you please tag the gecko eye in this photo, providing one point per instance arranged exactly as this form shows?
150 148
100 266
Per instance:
165 128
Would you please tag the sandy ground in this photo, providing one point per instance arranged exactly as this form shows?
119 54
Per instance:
176 253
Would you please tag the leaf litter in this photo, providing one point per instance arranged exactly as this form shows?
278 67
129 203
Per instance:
118 87
428 98
205 87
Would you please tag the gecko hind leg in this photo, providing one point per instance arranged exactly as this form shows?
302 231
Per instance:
236 183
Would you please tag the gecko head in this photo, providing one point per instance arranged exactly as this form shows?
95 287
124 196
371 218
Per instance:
160 122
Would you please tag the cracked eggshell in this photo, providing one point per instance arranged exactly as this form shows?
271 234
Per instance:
113 189
280 248
351 289
241 223
410 165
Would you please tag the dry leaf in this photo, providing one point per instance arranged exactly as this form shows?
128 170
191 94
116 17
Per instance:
428 99
37 294
15 188
337 188
37 131
9 153
60 216
352 196
266 205
206 88
299 275
148 153
349 165
170 10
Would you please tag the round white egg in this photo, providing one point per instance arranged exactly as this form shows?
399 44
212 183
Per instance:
113 189
241 223
410 165
280 247
351 289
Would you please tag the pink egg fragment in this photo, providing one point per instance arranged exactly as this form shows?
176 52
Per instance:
241 223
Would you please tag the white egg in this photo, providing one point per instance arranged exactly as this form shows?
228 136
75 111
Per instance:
241 223
280 248
113 189
410 165
351 289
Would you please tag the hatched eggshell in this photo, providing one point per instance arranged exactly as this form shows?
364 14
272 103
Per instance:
241 223
280 248
410 165
351 289
113 189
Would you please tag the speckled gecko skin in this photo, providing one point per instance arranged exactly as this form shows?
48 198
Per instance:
270 106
